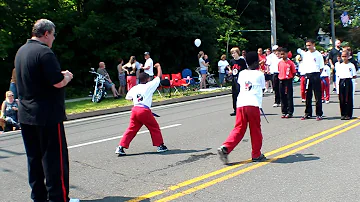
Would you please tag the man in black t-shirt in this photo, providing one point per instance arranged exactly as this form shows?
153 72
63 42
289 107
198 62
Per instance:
333 59
40 84
237 64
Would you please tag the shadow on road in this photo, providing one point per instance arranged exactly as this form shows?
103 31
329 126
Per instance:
172 151
113 199
297 158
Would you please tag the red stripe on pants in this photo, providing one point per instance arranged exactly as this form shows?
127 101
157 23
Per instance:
141 116
61 164
130 82
245 115
302 87
325 89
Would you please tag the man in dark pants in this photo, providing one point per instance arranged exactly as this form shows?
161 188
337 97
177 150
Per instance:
40 84
237 64
313 62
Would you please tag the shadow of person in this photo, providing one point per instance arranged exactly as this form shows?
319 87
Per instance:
172 151
296 158
114 199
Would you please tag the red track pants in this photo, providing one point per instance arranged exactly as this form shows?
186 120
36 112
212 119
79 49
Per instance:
325 88
302 87
245 115
141 116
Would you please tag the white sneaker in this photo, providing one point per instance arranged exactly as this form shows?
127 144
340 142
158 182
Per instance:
327 101
303 100
266 90
74 200
271 91
275 105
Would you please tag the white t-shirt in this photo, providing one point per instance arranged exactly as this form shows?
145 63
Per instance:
336 66
149 62
313 62
142 94
301 69
137 65
223 64
273 61
252 83
344 71
326 71
202 66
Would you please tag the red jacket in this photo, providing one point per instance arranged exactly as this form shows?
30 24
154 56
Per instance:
286 69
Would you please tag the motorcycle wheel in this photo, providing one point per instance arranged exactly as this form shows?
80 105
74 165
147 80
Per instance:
98 95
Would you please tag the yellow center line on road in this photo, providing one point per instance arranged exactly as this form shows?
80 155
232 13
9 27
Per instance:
257 165
223 170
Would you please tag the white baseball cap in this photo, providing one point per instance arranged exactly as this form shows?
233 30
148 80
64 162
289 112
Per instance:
275 47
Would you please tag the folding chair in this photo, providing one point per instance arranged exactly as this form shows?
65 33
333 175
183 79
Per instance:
176 81
165 85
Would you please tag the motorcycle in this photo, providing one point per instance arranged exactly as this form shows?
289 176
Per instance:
99 89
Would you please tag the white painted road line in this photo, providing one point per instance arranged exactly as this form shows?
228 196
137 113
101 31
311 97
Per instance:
157 107
117 137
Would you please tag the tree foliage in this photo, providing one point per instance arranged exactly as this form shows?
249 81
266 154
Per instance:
90 31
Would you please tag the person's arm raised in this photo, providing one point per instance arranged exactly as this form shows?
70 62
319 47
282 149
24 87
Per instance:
159 70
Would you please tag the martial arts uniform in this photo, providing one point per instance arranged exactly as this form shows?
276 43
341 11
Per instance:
313 62
345 74
325 83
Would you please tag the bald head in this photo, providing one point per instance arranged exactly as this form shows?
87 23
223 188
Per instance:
337 43
101 64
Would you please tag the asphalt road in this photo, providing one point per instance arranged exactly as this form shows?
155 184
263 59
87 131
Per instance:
308 160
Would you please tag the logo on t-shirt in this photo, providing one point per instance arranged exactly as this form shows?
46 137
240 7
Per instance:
248 85
236 66
139 97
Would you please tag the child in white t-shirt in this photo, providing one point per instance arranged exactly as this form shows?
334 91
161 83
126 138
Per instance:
325 83
346 72
141 95
249 102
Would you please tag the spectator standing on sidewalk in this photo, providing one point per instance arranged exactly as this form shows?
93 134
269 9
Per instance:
13 84
149 65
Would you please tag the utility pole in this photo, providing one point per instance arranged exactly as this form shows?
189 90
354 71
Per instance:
273 22
332 23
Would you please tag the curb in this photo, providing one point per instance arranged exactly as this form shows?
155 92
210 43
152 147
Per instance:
154 104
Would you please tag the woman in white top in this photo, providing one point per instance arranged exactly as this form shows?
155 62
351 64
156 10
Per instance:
203 69
222 65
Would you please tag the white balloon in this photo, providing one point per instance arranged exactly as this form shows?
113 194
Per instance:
197 42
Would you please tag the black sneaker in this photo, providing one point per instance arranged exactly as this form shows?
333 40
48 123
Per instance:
305 117
347 118
259 159
223 153
342 118
120 151
162 148
233 114
287 116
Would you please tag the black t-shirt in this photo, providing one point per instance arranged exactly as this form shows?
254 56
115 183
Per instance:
37 70
333 55
239 65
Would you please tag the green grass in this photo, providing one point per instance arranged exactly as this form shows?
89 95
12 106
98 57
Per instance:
109 103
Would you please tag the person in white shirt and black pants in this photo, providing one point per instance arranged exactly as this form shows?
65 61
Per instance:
314 62
346 72
272 61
